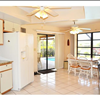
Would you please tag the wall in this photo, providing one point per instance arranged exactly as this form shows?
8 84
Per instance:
59 50
67 48
70 48
72 44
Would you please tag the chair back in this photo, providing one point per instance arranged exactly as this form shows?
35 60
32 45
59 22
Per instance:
70 56
73 62
83 58
83 62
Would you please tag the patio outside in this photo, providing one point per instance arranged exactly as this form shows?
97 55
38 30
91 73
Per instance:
42 52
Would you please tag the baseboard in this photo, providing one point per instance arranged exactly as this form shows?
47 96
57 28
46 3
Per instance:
60 68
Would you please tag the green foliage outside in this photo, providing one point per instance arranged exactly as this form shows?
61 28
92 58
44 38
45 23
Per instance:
51 48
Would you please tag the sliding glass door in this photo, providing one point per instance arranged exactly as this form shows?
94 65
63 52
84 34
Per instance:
46 51
51 52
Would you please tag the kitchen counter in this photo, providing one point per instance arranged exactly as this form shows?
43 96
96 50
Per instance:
3 62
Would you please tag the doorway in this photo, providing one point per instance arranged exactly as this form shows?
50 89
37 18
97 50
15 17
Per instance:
46 53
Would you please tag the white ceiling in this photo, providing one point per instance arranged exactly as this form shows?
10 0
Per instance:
69 23
61 21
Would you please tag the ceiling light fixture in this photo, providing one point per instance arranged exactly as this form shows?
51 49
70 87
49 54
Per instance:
41 14
74 31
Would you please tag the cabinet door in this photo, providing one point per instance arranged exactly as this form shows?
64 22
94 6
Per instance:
6 80
16 27
8 26
1 32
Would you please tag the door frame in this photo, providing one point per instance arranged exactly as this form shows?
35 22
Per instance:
46 49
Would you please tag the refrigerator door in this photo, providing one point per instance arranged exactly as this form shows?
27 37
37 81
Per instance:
30 57
23 67
26 59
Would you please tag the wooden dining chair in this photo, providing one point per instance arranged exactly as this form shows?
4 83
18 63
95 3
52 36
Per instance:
85 66
95 69
73 65
70 56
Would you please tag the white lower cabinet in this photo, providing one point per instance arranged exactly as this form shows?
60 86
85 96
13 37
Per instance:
5 80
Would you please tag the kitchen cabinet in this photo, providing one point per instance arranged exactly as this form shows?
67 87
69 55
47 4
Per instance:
8 26
1 32
16 27
5 78
11 27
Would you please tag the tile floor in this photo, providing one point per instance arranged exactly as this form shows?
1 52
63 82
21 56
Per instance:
59 83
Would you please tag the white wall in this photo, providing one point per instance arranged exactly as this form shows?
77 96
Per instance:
72 44
59 51
67 48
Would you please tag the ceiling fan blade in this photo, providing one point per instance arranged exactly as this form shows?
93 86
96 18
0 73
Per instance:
51 12
80 30
29 6
59 7
67 30
33 12
85 28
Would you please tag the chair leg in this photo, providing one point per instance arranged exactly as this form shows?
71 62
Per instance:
69 70
75 71
97 73
87 74
80 72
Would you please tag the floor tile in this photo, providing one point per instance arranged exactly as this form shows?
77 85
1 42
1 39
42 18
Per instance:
10 93
63 91
79 91
32 89
38 93
21 92
59 83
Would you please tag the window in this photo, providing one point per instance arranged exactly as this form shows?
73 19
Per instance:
88 45
96 45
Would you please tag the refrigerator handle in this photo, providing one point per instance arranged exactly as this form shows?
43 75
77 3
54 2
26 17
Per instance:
27 52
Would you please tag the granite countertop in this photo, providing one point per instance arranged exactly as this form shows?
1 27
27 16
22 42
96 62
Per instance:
5 62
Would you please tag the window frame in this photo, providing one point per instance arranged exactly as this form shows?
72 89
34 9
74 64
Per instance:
91 46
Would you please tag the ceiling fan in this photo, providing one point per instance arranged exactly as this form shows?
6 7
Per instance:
42 12
75 29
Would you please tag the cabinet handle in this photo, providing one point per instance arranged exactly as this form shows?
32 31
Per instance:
1 75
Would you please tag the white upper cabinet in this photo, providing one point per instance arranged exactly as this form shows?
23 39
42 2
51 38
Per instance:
8 26
1 32
16 27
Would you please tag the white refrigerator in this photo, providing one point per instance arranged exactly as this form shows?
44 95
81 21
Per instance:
18 47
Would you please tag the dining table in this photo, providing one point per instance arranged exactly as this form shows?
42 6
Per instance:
91 60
